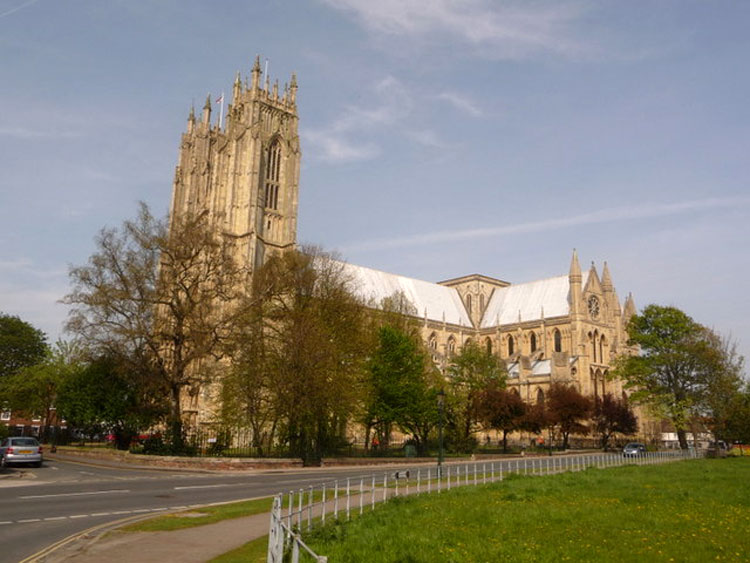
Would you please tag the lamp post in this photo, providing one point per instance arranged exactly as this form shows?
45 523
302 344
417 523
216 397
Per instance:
441 409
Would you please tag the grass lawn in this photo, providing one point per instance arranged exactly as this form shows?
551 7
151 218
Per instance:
189 518
685 511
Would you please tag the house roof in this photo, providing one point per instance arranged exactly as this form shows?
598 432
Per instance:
529 301
436 301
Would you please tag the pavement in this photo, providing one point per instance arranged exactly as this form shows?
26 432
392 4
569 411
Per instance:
190 545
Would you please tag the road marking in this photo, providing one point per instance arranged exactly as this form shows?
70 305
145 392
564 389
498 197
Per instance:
78 516
6 522
101 514
29 520
123 512
55 518
141 510
111 491
201 487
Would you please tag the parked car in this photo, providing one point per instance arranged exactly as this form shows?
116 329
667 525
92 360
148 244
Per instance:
633 449
20 449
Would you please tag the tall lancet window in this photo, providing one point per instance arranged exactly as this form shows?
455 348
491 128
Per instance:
273 170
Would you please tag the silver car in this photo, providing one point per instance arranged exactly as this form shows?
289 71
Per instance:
634 449
20 449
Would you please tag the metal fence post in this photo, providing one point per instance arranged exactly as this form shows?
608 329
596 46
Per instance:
385 487
361 496
309 509
372 491
299 512
323 513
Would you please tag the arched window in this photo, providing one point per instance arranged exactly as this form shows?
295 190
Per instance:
451 346
273 174
511 346
515 390
488 345
481 302
601 348
558 341
539 397
468 303
433 341
532 342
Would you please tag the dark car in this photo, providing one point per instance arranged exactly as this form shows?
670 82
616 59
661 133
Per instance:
634 449
20 449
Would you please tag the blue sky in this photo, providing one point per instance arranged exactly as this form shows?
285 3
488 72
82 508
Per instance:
439 138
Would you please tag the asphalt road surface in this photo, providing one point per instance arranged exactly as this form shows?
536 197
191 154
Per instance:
39 507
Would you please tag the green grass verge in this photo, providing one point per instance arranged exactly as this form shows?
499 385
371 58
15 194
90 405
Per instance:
686 511
180 520
255 551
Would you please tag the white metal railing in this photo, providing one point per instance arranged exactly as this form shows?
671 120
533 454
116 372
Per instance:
341 499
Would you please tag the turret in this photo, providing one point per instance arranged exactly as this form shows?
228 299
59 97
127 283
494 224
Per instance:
574 279
207 111
293 89
236 89
255 74
191 120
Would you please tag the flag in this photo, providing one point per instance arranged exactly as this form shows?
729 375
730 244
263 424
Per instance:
220 98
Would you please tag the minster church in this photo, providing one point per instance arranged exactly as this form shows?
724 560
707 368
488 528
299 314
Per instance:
244 172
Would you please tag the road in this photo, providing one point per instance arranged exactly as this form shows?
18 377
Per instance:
39 507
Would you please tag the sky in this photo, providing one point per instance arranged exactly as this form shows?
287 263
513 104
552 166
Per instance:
439 138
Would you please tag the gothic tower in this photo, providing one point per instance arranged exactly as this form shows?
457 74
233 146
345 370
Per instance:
244 173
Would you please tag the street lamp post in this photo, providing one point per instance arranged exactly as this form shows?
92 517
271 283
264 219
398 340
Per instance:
441 411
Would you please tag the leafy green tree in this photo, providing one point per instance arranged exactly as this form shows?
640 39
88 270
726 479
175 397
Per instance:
162 299
314 333
470 372
33 390
613 416
101 396
734 425
501 410
21 345
403 386
679 363
565 410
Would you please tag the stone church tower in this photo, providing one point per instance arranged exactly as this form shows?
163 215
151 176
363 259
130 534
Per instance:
244 174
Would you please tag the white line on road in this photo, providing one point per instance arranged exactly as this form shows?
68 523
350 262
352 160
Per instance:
77 516
55 518
111 491
101 514
28 520
141 510
6 522
201 487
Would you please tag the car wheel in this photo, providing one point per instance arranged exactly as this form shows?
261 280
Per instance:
2 462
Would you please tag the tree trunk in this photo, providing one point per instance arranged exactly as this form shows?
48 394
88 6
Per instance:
175 421
505 441
682 438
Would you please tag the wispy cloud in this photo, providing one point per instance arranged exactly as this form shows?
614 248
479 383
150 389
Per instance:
511 29
341 140
461 103
20 7
607 215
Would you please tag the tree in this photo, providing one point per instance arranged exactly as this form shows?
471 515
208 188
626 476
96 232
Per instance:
314 334
403 386
734 425
565 408
101 396
612 416
33 390
680 361
21 345
500 409
470 372
161 299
